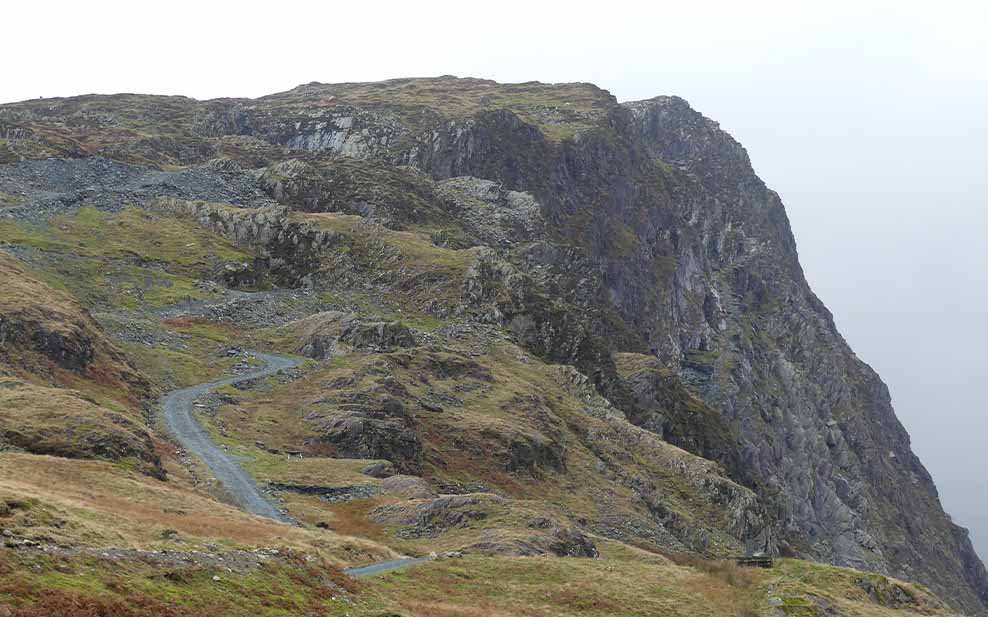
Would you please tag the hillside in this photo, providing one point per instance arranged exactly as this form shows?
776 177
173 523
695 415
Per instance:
541 329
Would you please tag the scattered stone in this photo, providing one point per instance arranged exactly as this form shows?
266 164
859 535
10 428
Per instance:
332 494
426 405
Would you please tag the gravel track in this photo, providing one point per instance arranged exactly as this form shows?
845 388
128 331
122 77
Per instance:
177 409
383 566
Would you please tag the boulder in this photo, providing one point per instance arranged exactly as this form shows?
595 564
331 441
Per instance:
379 334
407 487
569 542
382 469
558 541
432 517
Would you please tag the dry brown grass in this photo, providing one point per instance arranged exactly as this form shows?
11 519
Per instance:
60 422
184 321
725 583
97 504
72 604
553 587
28 297
516 401
475 467
352 519
725 570
430 608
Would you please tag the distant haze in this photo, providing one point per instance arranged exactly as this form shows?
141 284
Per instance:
869 118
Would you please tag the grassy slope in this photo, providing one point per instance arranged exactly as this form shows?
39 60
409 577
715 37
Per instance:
130 259
132 262
469 442
620 583
91 503
87 586
51 500
625 583
63 423
50 339
502 398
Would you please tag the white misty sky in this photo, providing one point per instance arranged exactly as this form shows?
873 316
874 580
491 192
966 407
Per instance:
869 117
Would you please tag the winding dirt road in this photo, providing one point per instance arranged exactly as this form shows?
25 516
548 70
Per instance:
177 409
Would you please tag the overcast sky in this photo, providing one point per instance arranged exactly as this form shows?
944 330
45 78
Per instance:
870 118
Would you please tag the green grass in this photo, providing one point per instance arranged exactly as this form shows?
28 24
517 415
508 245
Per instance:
631 364
476 586
7 200
627 583
624 582
558 110
202 355
420 322
415 272
415 247
199 329
82 586
129 259
131 234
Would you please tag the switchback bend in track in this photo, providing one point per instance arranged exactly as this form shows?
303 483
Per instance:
177 409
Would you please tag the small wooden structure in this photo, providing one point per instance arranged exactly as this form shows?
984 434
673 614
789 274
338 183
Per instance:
755 561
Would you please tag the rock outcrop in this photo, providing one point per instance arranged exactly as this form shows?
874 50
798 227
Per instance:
327 334
45 331
377 429
60 422
289 249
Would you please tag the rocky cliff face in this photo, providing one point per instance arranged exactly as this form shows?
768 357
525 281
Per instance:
632 241
291 248
815 421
